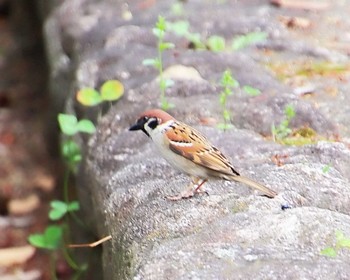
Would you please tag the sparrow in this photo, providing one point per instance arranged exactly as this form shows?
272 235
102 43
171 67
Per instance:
188 150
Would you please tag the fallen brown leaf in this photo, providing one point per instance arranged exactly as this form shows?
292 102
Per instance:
295 22
301 4
44 181
19 274
209 121
23 205
279 159
16 255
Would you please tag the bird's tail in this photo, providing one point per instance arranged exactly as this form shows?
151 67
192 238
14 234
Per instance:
268 192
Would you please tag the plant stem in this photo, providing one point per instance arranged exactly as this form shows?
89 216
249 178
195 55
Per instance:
69 259
161 80
53 266
65 185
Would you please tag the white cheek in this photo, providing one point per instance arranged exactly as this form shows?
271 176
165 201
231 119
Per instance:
149 130
157 134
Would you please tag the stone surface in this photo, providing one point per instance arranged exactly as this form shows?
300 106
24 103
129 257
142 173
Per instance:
233 233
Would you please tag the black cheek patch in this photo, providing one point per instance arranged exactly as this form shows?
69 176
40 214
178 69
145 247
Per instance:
153 124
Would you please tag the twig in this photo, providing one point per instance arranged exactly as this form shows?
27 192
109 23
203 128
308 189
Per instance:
91 245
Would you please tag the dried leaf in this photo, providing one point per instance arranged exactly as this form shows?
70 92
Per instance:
16 255
23 206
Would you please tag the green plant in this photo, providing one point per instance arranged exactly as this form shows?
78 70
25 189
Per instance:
243 41
56 237
342 242
70 125
252 91
111 90
282 131
53 237
159 31
50 239
214 43
182 29
177 8
326 168
228 83
60 208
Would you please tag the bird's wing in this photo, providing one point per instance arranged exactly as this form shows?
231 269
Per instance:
192 145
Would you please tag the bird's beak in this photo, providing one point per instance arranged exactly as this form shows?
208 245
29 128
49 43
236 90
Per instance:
138 125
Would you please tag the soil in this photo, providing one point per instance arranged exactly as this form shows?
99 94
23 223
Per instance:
28 169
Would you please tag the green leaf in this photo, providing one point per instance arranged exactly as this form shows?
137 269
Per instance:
58 204
289 111
165 105
224 126
195 38
284 124
329 252
180 28
112 90
149 61
86 126
50 239
226 115
165 46
158 33
161 23
222 98
251 90
73 206
59 209
228 91
89 97
248 39
228 81
326 168
216 43
155 62
177 8
166 83
339 235
55 215
344 243
68 124
71 151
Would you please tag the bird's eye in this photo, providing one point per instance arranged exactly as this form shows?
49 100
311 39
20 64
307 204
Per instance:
153 123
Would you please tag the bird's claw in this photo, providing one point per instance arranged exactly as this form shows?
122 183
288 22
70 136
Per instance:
186 195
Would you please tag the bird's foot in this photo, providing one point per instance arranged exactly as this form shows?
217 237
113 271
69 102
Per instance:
187 194
191 190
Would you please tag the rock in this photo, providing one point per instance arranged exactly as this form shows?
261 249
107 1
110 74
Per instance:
122 181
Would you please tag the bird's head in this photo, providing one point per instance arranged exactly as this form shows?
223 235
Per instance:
150 120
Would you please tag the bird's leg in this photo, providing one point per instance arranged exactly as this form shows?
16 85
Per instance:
198 185
191 190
